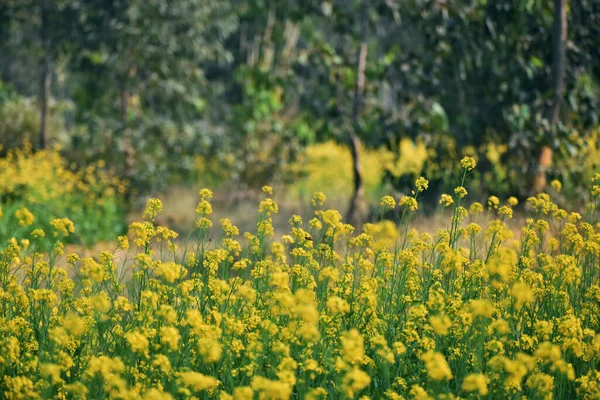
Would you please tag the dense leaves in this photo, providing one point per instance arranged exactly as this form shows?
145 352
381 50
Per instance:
151 86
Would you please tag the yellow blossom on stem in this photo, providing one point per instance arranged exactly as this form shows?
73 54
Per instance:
446 200
437 367
468 163
476 383
199 382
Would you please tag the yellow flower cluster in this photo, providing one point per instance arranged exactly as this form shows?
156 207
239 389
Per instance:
40 188
328 311
44 176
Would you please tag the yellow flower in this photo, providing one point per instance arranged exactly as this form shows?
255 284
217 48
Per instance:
205 194
157 394
24 216
460 192
476 208
270 389
589 385
210 349
354 381
77 389
468 163
352 346
472 229
556 185
105 366
59 336
267 190
204 208
51 372
316 394
437 367
482 308
440 324
229 229
337 305
199 382
505 211
101 302
280 280
399 348
421 184
162 363
522 294
418 393
137 341
170 271
123 242
446 200
243 393
169 336
493 202
268 206
318 199
542 384
75 325
153 207
476 383
204 223
62 225
20 387
409 202
387 202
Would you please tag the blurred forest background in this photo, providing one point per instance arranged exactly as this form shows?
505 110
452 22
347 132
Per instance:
356 98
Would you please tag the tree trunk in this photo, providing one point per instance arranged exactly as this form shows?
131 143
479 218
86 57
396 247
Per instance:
46 78
559 40
357 207
124 102
127 77
128 145
268 52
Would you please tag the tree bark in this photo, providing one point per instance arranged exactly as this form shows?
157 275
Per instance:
124 104
357 207
268 52
559 40
46 77
129 151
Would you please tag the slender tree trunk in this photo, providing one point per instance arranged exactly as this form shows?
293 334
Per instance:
124 104
46 78
127 77
129 151
559 40
244 39
357 206
128 145
254 51
124 96
268 52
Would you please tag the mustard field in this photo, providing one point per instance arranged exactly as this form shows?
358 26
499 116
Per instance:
327 310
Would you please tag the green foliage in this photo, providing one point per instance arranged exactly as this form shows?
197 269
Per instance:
264 139
246 84
20 121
